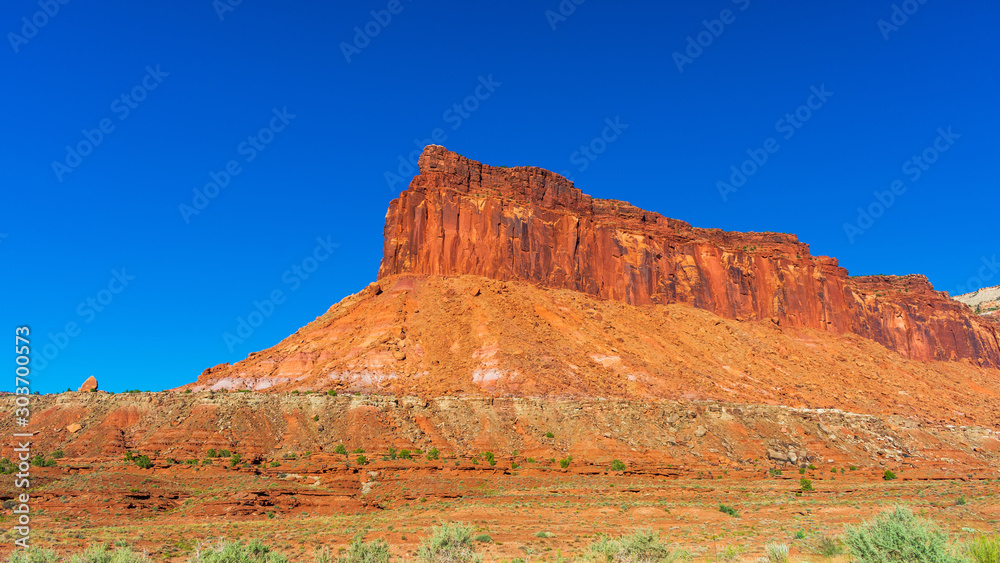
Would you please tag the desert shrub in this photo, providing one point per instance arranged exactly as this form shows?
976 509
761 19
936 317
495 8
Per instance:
484 538
898 536
361 460
231 552
33 555
225 453
985 550
359 450
448 543
811 467
549 435
774 472
888 475
806 485
617 465
375 551
331 393
776 553
490 458
143 462
730 553
315 417
234 460
961 501
642 546
99 553
340 449
58 454
802 471
211 453
828 547
726 509
405 454
564 463
392 453
433 454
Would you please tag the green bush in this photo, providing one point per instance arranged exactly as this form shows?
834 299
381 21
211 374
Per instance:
58 454
143 462
340 449
985 550
484 538
806 485
211 453
776 553
888 475
641 546
405 454
433 454
231 552
234 460
564 463
828 547
331 393
361 460
33 555
898 536
490 458
393 452
617 465
549 435
375 551
448 543
726 509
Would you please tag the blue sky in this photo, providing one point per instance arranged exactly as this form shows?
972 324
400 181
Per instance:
156 100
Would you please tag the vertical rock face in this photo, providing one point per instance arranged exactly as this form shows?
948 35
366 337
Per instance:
462 217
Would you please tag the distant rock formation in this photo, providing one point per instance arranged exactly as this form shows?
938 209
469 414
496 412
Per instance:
985 301
89 385
523 223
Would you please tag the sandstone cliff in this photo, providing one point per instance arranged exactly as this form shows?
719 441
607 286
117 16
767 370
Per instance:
462 217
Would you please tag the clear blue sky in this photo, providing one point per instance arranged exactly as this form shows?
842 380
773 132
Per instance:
198 86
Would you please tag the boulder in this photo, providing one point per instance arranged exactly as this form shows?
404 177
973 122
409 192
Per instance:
89 385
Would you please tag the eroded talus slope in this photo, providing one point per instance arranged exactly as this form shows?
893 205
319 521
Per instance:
463 217
466 335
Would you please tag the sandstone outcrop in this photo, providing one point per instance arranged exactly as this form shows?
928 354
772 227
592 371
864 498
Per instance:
89 385
459 216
